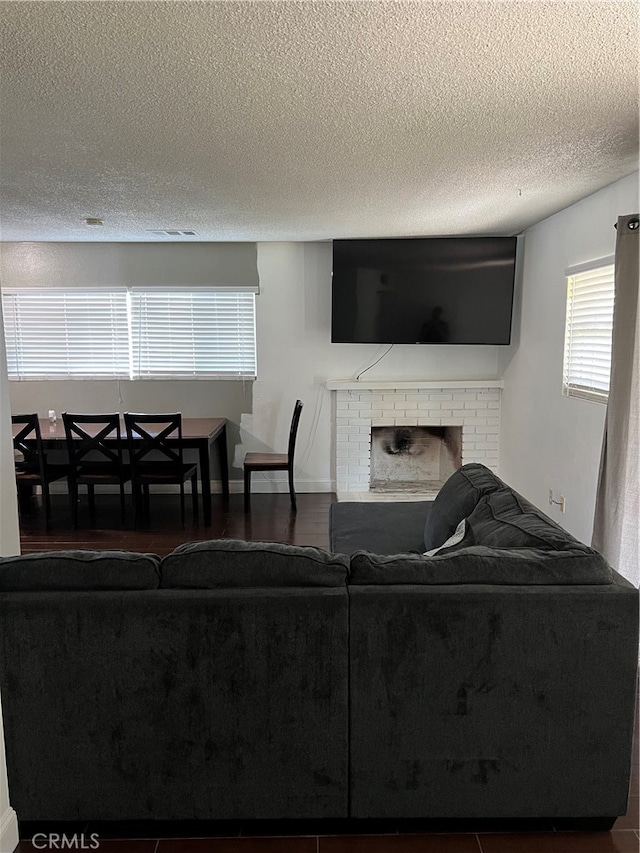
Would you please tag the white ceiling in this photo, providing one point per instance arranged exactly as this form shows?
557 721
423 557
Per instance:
310 120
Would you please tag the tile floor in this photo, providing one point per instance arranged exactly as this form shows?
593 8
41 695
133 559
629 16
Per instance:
271 520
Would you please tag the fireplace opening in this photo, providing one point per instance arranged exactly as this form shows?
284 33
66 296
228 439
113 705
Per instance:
414 458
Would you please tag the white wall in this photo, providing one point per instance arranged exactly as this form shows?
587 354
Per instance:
9 545
549 441
105 264
296 356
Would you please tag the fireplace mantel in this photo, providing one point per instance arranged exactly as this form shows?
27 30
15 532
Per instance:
409 384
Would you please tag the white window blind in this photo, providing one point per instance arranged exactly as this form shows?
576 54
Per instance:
59 334
130 333
193 333
587 347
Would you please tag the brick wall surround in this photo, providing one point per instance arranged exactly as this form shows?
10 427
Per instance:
476 408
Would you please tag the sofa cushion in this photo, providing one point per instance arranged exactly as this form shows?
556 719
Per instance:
236 563
386 527
504 519
456 500
79 570
480 564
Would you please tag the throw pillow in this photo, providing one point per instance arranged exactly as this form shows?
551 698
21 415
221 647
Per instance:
461 538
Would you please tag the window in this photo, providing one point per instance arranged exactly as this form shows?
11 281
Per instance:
57 334
130 333
193 333
587 343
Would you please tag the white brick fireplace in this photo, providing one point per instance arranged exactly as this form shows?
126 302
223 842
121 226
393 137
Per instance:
473 405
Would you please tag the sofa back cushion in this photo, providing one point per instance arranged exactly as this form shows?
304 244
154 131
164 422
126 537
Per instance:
504 519
56 571
236 563
456 500
480 564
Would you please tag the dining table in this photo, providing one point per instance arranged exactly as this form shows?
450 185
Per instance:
197 434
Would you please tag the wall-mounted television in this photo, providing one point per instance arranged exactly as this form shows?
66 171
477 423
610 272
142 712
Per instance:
431 290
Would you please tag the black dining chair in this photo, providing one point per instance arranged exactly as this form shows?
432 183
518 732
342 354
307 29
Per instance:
31 463
96 457
274 462
157 458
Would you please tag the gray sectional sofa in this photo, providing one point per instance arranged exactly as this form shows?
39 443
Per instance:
236 680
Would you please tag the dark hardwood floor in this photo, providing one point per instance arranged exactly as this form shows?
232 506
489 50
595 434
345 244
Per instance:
271 520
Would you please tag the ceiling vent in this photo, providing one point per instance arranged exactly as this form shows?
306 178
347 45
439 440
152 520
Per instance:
172 232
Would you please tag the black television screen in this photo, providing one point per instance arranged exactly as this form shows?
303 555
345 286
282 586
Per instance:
432 290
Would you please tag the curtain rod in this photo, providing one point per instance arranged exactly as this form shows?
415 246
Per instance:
632 224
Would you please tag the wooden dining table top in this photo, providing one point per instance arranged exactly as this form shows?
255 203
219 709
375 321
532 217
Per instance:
192 428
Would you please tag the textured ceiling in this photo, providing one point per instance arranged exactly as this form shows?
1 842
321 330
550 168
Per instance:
310 120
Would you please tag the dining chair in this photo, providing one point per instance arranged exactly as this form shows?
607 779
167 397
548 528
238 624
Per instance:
96 457
156 455
31 463
273 462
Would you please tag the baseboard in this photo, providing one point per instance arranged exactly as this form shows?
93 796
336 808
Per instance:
8 831
259 485
263 486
